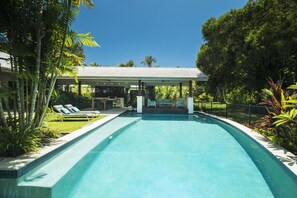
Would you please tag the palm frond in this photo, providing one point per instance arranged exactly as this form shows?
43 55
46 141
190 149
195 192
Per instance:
75 59
88 3
286 117
86 39
267 92
68 41
6 92
293 87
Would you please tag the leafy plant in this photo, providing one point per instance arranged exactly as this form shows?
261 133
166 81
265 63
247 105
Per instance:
204 97
14 143
274 98
71 98
240 96
288 114
45 48
286 117
281 121
245 46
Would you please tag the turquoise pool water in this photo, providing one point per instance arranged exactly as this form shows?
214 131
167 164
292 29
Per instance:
162 156
173 156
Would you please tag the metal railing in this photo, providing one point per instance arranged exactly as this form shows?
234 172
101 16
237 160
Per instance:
242 113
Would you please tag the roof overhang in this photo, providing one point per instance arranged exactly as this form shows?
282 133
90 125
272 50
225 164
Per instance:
126 76
5 65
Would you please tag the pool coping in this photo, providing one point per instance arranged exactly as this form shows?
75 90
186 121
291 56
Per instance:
14 168
284 156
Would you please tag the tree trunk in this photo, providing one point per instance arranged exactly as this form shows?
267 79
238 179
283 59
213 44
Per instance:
2 117
38 26
54 76
18 95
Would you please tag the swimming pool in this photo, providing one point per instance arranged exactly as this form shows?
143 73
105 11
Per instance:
162 156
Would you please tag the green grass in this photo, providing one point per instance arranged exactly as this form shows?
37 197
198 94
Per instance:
237 113
71 124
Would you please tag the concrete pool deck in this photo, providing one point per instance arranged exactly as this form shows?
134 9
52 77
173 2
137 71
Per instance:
11 167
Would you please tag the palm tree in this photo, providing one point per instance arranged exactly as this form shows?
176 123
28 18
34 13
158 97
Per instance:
39 52
130 63
148 60
94 64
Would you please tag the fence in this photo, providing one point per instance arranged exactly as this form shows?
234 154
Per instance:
246 114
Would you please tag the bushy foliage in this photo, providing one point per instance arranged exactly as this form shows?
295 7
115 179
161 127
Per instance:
204 97
167 92
281 122
14 143
70 98
241 96
41 46
245 46
173 92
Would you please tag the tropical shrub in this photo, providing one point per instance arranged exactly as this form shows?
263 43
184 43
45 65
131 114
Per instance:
60 97
16 143
41 46
241 96
281 122
204 97
167 92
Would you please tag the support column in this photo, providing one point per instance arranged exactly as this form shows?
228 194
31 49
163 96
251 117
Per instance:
142 93
139 98
79 88
180 90
139 87
139 104
190 105
190 99
93 103
190 89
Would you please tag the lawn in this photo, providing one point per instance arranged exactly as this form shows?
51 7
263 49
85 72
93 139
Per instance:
71 124
238 113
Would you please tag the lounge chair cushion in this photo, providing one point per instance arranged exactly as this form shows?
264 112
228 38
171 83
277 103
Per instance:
75 109
65 111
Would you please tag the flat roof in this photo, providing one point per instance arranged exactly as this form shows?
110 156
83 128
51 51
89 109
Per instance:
130 75
5 62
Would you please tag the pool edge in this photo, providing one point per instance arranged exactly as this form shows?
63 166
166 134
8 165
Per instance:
288 159
14 168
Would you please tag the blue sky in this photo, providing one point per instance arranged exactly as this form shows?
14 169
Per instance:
168 30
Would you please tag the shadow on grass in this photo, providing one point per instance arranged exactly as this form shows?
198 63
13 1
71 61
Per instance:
70 124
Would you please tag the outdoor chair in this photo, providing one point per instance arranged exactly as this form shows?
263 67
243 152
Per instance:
164 102
67 114
181 102
73 109
151 103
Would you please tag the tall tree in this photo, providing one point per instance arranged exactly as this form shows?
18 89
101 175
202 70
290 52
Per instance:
130 63
41 46
148 61
246 46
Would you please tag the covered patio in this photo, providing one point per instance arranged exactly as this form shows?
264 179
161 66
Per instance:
112 84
